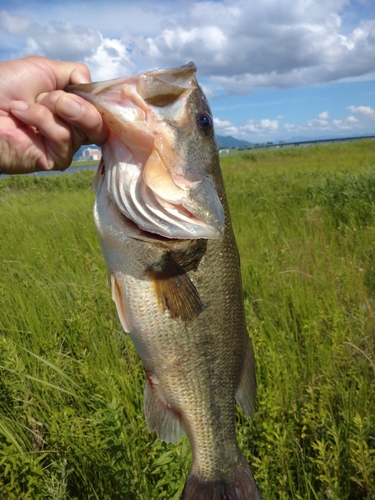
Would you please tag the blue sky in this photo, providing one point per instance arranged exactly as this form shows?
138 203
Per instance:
272 69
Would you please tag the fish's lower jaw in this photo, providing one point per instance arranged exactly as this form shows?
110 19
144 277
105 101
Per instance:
240 485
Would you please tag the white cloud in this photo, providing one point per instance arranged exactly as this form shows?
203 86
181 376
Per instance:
242 45
14 24
110 60
238 45
320 122
225 127
260 126
348 124
322 125
274 129
249 130
58 40
365 111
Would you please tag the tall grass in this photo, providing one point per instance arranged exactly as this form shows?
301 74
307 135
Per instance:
71 417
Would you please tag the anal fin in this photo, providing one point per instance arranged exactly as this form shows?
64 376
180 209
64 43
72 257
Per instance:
159 414
246 390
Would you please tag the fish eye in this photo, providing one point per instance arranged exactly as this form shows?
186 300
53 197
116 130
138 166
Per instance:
205 123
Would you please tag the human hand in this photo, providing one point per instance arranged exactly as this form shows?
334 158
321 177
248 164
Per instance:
41 126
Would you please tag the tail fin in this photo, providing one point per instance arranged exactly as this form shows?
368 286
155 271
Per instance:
240 486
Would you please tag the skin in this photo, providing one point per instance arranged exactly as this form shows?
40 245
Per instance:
41 126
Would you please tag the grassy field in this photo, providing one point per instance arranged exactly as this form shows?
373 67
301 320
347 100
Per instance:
71 386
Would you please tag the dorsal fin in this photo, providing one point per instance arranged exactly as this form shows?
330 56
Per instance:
246 390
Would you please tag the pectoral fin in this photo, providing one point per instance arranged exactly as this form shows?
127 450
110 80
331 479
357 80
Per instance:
175 291
246 391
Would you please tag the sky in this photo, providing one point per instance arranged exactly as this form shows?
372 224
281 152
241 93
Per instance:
273 70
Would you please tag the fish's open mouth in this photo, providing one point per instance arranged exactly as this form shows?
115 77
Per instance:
149 174
151 212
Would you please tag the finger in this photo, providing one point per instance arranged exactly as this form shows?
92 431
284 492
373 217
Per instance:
64 72
78 113
56 134
18 146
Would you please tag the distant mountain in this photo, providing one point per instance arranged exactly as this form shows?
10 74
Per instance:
230 142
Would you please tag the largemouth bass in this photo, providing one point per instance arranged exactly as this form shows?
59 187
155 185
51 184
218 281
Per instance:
164 226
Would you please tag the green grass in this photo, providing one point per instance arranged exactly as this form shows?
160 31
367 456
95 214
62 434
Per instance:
71 416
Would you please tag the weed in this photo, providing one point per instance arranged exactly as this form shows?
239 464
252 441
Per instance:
71 386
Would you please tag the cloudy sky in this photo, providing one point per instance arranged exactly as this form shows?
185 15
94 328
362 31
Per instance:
272 69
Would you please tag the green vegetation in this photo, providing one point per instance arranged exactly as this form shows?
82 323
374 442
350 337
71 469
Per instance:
71 417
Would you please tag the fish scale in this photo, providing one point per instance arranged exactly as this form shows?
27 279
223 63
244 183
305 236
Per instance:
174 270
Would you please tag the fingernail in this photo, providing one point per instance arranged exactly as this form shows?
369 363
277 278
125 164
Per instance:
18 105
71 108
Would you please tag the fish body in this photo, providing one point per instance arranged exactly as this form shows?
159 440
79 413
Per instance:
164 225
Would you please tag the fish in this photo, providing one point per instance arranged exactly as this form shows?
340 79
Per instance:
165 230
